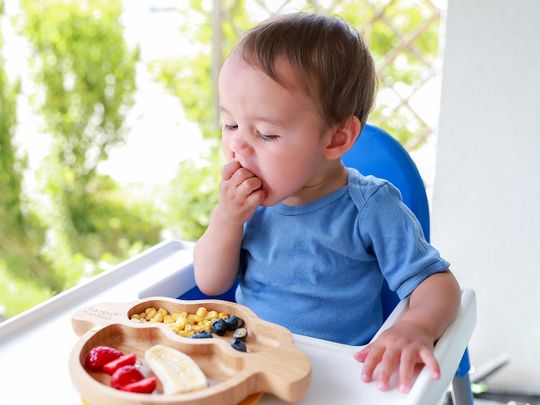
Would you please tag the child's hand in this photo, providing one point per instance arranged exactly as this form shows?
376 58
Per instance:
241 192
405 344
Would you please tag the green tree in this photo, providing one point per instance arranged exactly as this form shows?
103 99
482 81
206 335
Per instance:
11 167
21 234
85 76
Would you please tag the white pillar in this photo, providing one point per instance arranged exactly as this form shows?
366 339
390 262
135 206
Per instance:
486 198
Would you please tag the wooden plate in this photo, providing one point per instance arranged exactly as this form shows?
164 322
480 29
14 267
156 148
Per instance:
272 363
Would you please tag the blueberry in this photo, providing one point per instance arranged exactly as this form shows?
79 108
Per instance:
239 345
201 335
233 322
219 327
240 334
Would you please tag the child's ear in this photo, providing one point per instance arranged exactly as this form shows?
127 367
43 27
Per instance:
342 138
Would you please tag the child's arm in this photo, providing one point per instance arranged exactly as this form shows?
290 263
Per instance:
432 307
217 253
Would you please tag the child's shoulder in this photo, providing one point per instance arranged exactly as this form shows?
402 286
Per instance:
370 189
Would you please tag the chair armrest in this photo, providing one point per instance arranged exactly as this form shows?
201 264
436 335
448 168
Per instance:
172 286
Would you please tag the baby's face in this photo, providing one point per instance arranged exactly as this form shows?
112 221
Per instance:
273 131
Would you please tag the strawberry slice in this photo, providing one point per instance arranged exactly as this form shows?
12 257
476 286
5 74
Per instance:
101 355
126 375
126 360
145 386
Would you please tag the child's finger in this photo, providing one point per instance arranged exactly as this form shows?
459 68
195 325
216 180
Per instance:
406 369
229 169
373 358
362 354
248 186
255 198
239 176
431 362
388 364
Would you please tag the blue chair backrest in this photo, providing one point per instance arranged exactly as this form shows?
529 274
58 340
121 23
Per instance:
379 154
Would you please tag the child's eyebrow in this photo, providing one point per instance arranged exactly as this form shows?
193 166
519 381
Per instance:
274 121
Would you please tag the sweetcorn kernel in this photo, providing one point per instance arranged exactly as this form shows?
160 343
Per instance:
211 315
151 314
157 318
181 323
167 319
163 311
201 311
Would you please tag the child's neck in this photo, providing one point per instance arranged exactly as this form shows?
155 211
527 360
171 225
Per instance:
332 180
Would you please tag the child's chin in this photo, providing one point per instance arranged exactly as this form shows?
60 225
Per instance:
269 200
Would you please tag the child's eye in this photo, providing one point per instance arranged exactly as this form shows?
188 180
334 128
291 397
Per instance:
227 127
267 138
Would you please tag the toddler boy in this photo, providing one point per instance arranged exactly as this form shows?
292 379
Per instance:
312 240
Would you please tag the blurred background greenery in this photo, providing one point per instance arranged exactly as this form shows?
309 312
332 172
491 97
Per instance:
77 221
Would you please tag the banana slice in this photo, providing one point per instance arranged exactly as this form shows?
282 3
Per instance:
177 371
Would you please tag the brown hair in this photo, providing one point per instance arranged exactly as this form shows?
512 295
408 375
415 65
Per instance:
331 57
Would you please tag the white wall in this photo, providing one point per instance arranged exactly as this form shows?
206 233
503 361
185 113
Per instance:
486 198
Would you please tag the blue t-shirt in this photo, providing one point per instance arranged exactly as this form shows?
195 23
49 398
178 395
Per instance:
318 269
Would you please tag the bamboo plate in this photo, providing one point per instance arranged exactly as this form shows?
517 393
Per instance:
271 365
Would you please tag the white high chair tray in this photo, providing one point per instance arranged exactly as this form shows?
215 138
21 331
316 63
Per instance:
35 345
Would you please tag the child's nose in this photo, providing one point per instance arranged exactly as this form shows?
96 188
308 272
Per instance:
240 144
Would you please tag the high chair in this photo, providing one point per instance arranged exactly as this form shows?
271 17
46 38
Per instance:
379 154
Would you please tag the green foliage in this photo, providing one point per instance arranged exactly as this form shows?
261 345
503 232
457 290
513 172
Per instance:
21 233
85 77
88 78
11 166
19 294
110 222
193 194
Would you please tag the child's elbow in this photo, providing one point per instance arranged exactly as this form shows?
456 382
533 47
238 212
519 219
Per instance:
209 287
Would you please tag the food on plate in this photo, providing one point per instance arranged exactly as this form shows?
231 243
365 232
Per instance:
198 325
233 322
240 334
219 327
126 375
239 345
125 360
144 386
188 324
201 335
177 371
101 355
182 323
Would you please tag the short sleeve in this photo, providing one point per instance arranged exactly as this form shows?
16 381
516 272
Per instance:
393 234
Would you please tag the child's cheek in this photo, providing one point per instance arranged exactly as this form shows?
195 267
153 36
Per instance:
227 153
